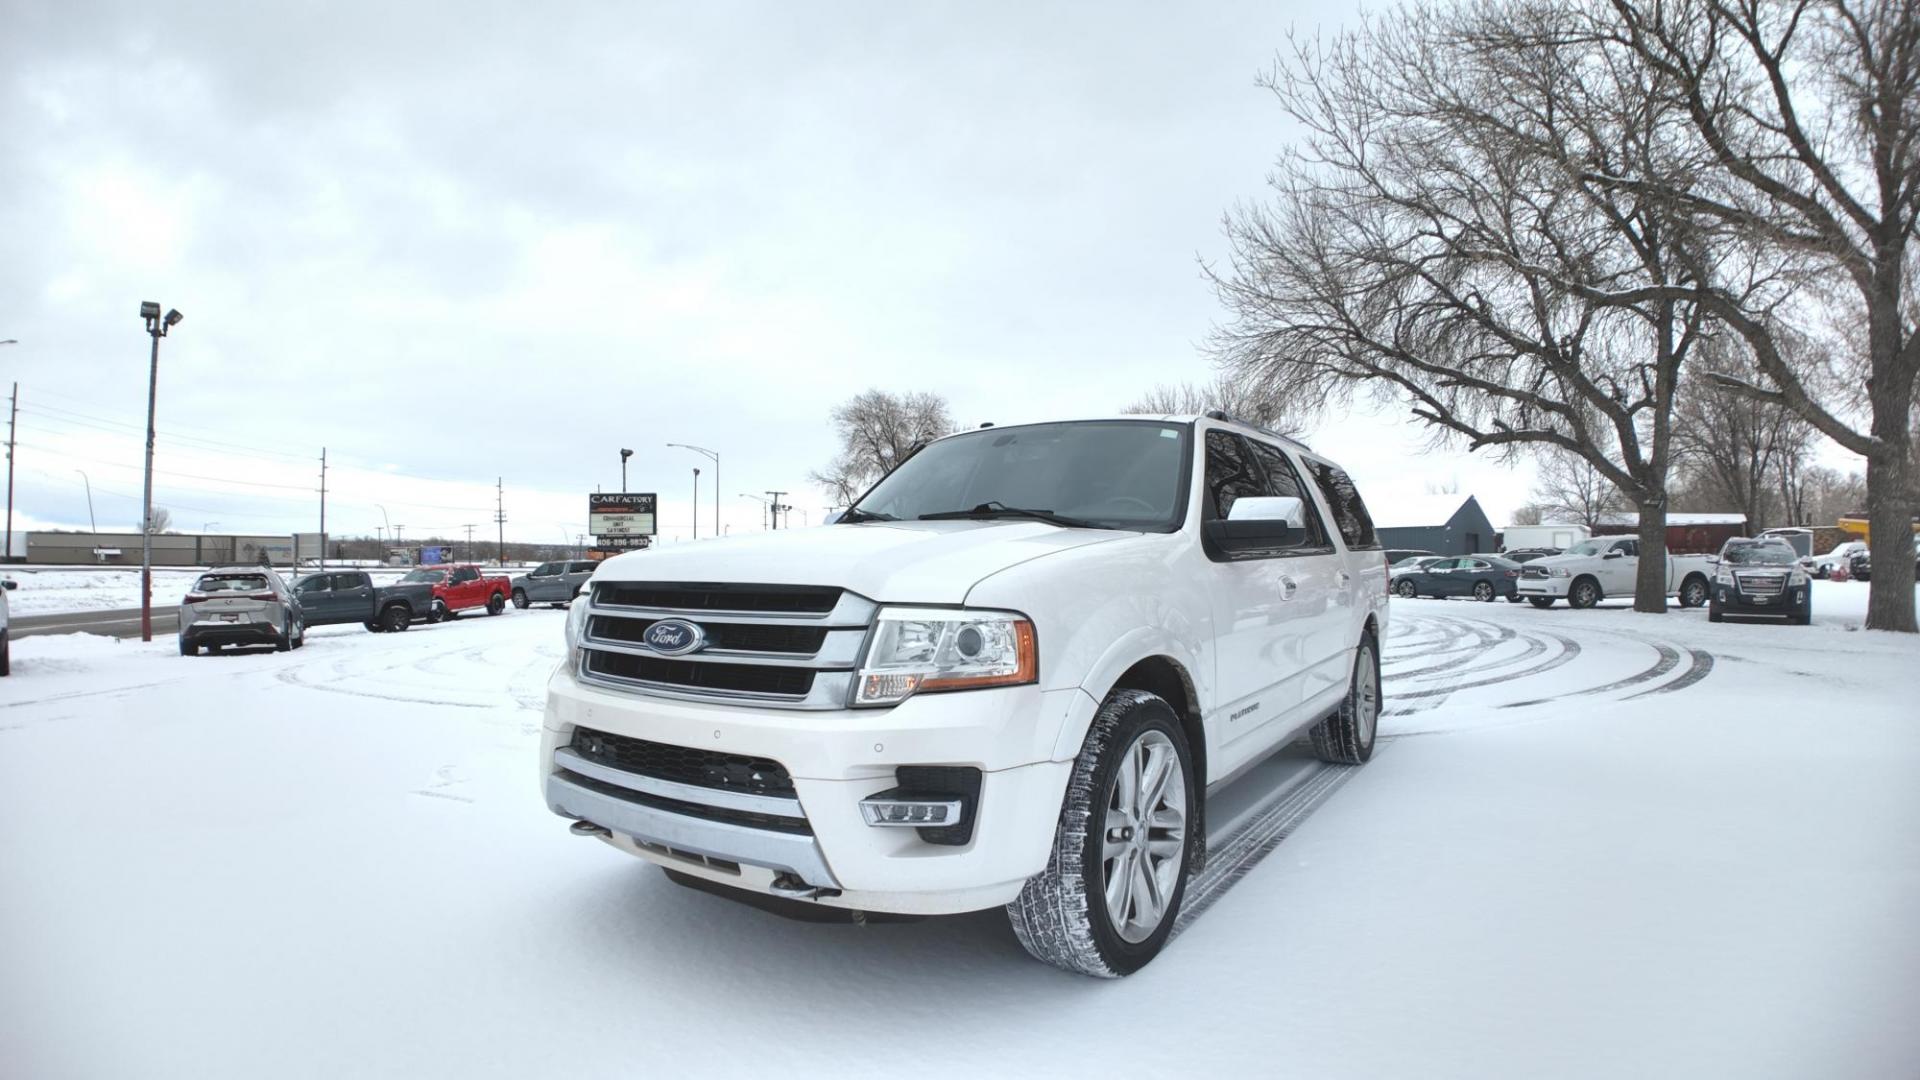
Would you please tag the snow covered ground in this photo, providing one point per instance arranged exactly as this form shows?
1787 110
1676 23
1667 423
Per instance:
1593 844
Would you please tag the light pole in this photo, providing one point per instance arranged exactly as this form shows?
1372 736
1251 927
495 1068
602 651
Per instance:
763 508
624 455
157 327
696 501
91 524
206 526
716 481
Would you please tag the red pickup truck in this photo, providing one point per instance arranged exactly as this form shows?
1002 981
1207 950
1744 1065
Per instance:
461 588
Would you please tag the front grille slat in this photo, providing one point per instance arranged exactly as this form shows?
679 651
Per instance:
748 818
741 637
684 765
703 596
716 678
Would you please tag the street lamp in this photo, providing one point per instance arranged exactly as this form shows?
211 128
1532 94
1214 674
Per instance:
91 524
157 327
696 501
624 455
763 508
716 481
207 526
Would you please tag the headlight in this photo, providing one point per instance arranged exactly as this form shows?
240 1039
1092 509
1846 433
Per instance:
921 650
1799 578
1559 571
576 627
1724 577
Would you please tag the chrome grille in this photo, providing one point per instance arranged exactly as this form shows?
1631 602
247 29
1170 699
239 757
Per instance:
1762 586
1532 572
781 646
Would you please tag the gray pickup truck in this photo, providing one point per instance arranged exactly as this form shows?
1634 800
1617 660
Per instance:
552 583
346 596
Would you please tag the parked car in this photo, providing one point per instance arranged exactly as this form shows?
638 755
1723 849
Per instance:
1592 570
240 605
348 596
1822 566
1396 556
552 583
1482 577
460 588
7 585
1009 676
1412 563
1761 577
1525 555
1860 565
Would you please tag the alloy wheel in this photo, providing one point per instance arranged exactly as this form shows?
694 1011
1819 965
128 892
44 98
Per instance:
1144 843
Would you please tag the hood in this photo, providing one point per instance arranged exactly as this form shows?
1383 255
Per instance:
896 562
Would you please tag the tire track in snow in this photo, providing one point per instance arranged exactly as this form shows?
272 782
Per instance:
1229 862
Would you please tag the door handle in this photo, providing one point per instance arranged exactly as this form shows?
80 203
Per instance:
1287 587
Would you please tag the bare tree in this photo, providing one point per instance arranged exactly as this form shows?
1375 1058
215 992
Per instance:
1809 112
877 430
1434 242
1240 398
1739 452
1569 489
159 520
1529 514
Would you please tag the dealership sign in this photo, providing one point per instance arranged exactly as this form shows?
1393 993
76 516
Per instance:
621 517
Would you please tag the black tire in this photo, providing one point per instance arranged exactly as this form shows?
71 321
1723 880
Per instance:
395 618
285 642
496 604
440 612
6 654
187 649
374 627
1694 591
1061 915
1584 593
300 638
1803 617
1713 612
520 599
1541 602
1483 591
1406 589
1515 598
1346 737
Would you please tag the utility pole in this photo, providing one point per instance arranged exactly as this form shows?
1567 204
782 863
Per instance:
696 504
469 529
499 518
775 496
157 327
87 480
624 455
323 513
13 414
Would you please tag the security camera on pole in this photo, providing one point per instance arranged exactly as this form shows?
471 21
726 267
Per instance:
157 327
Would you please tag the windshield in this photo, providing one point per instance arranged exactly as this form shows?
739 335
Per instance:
424 577
1589 547
1110 474
1760 555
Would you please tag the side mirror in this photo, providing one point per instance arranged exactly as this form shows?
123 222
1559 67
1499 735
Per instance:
1613 554
9 584
1261 523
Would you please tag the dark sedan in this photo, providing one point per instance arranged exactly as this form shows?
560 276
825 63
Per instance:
1482 577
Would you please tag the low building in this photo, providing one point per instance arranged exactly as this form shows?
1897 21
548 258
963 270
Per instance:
1687 534
169 549
1442 524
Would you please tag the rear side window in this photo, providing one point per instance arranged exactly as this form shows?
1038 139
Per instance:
583 568
1343 499
1283 480
1231 474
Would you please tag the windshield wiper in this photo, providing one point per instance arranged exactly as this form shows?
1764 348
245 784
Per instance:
997 509
855 515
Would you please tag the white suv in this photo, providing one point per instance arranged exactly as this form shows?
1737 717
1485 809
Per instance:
1008 676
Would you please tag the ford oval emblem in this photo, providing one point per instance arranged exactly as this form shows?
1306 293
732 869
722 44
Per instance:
674 637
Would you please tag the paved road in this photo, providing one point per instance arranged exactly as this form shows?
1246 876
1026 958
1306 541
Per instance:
120 623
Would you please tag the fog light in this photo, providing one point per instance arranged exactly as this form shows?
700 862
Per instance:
882 811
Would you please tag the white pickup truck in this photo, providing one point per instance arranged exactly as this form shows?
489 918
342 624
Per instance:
1009 675
1593 570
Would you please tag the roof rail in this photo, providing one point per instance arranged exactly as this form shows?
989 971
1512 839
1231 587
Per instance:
1226 417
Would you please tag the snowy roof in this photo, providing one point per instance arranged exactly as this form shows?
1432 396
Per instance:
1677 519
1416 511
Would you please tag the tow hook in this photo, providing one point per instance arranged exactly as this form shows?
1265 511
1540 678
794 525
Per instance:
791 887
588 828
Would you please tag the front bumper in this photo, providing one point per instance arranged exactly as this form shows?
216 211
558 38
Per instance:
1546 586
836 759
219 633
1789 602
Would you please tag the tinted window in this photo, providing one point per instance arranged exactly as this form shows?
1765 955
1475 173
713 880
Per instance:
1343 499
582 568
314 584
464 574
1231 474
1628 547
1123 474
424 577
349 581
542 570
232 583
1283 480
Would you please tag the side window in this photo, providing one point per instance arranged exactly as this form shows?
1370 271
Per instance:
1230 472
1628 547
1349 512
1283 480
349 581
583 568
1443 564
542 570
318 583
463 574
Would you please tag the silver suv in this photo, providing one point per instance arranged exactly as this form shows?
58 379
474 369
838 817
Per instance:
552 583
240 605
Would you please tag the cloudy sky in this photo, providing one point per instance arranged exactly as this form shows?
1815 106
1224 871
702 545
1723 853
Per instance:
455 242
